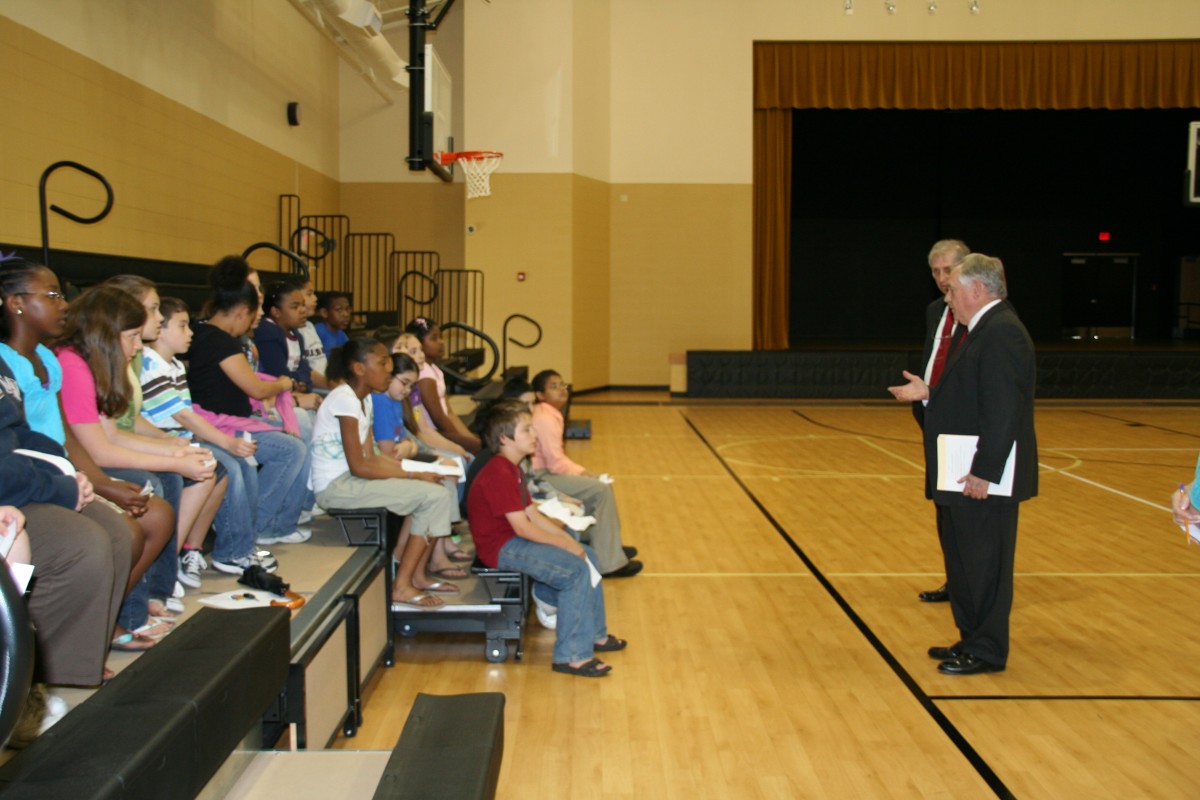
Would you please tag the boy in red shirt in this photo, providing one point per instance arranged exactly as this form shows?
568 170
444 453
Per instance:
510 533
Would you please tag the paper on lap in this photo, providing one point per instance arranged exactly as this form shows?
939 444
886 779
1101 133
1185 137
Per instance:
559 511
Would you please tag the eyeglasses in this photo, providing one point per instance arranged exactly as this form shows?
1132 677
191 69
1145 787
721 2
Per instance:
48 295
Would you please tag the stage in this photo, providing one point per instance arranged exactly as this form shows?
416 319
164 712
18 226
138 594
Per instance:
1080 370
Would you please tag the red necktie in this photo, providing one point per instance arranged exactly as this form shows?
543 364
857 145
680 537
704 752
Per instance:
943 350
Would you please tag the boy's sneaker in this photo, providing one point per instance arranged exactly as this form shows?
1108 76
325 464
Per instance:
266 560
295 537
191 566
239 565
305 517
175 605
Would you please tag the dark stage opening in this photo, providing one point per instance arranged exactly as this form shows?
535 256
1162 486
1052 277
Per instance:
872 190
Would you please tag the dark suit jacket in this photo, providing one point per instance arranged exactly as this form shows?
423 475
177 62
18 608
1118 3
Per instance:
987 390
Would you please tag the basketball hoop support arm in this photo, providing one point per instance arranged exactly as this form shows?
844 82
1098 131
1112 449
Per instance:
418 25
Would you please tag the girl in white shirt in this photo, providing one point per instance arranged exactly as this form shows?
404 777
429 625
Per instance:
348 471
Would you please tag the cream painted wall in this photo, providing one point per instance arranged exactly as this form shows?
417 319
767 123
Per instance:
682 71
237 62
376 132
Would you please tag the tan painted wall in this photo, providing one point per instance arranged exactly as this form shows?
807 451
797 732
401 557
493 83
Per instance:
530 232
186 187
237 62
420 216
591 285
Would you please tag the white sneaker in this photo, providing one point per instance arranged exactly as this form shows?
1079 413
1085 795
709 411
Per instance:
305 517
191 565
178 592
239 565
175 605
56 709
295 537
546 613
317 511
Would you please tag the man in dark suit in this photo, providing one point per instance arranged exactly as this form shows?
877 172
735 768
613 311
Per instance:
941 331
986 390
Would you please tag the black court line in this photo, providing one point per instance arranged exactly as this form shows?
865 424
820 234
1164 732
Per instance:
964 747
1090 697
1142 424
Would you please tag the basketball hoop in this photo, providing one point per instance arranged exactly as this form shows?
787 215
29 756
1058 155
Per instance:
477 167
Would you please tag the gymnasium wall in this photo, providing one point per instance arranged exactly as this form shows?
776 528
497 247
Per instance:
197 153
678 135
625 195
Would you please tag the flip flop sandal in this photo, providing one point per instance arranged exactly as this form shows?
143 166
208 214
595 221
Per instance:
610 644
132 643
441 587
588 669
449 573
418 601
156 628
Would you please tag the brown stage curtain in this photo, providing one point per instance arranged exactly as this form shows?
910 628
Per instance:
773 226
931 75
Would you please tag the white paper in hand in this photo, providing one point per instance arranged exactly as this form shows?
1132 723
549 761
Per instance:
956 454
606 478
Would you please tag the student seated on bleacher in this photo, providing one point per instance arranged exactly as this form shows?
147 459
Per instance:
396 434
432 385
223 384
335 310
552 465
510 533
280 351
348 472
167 404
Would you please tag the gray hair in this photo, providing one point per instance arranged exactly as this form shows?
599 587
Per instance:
987 271
949 247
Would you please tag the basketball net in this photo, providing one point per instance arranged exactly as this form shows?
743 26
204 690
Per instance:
477 167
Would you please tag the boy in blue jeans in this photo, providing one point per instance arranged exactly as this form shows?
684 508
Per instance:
510 533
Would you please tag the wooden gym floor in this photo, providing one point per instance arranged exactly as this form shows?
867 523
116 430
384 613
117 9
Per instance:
777 647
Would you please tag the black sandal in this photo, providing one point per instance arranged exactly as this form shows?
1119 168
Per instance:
610 644
588 669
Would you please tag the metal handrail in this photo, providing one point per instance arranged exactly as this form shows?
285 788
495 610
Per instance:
474 384
518 342
58 210
433 288
297 259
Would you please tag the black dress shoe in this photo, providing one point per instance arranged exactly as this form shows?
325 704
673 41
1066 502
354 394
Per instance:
630 552
936 596
967 664
630 569
945 653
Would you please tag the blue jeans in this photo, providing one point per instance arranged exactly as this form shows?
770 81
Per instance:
159 580
282 483
235 518
562 580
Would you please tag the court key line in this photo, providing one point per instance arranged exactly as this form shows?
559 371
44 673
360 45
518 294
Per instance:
1117 492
